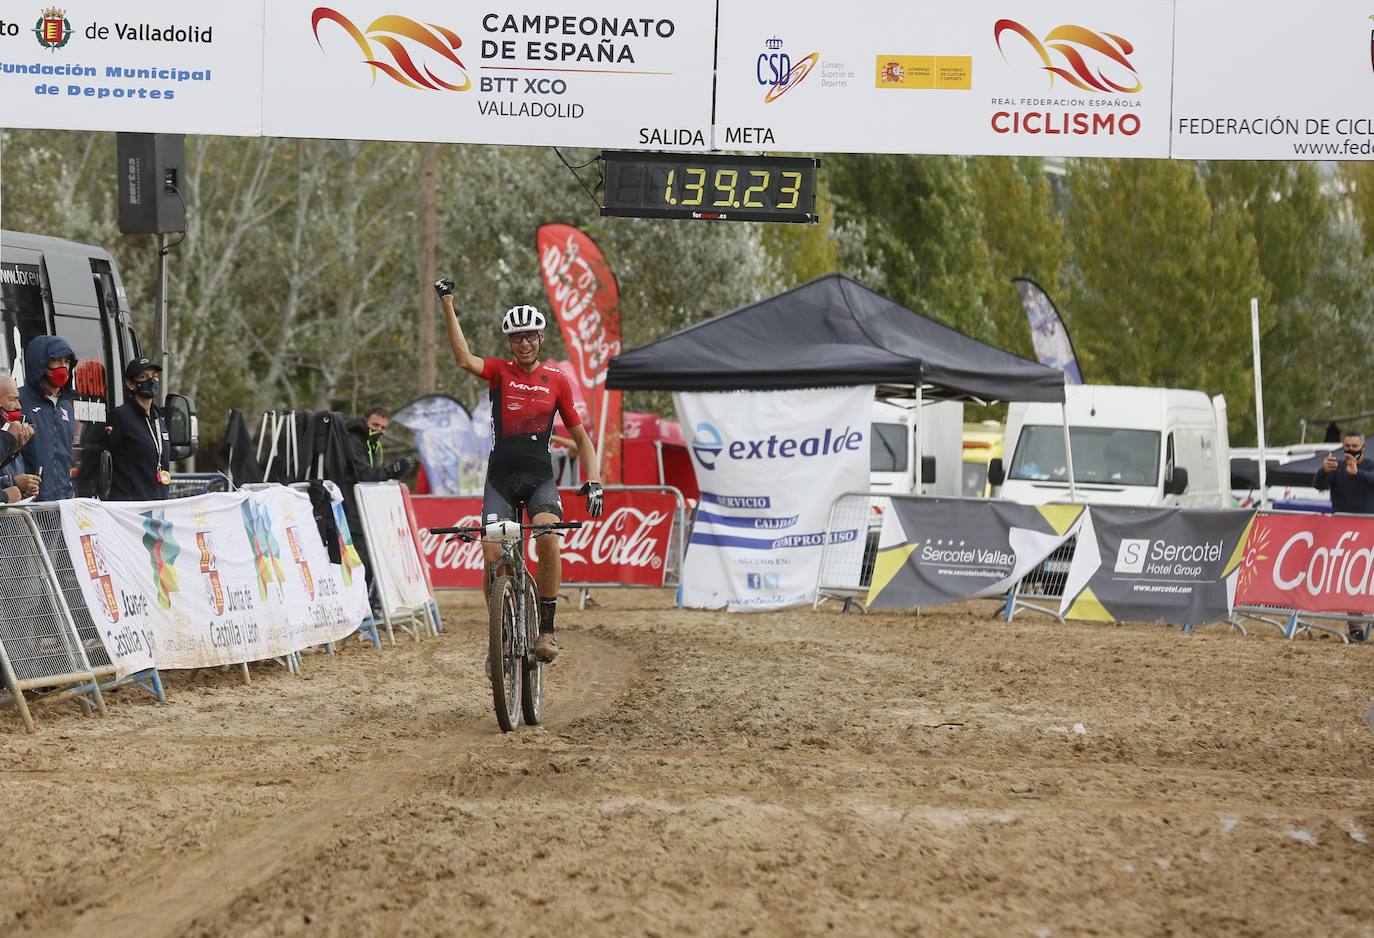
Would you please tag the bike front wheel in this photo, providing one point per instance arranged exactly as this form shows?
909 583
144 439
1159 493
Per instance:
532 698
505 663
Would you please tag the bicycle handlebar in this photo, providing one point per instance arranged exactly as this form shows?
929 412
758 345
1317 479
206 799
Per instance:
471 532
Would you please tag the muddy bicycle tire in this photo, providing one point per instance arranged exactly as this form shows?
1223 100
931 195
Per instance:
506 669
532 683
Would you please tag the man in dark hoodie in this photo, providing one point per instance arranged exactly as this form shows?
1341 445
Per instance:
365 441
46 396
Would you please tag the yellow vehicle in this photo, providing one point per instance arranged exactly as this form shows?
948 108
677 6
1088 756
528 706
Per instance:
982 444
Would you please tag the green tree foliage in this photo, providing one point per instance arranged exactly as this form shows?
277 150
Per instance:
1024 232
1162 281
923 233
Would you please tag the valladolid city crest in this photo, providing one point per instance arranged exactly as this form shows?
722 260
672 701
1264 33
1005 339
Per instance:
53 29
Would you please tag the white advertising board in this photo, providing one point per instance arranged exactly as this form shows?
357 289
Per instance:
138 65
597 73
212 580
1274 80
1071 78
391 546
770 464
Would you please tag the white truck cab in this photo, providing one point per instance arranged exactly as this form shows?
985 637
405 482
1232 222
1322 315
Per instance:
892 447
1131 446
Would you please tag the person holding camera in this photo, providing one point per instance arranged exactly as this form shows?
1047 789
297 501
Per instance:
1349 475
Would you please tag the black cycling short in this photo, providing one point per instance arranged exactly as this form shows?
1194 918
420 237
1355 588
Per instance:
536 494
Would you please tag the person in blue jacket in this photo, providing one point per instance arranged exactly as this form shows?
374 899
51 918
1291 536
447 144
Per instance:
49 364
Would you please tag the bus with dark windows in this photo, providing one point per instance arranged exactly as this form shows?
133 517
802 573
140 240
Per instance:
51 286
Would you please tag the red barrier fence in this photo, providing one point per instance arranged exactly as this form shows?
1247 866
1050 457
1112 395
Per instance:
637 541
1310 563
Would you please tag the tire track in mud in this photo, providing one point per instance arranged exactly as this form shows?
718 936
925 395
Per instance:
170 895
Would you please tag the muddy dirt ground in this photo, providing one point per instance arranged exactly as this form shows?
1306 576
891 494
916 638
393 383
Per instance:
707 774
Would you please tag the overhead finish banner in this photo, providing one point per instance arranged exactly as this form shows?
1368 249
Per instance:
1315 563
1172 565
1274 80
138 65
593 73
935 550
1073 78
769 464
212 580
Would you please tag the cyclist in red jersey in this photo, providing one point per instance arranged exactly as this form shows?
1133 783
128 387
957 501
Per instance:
525 394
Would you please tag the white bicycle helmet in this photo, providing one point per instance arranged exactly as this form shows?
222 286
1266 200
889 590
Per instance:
522 319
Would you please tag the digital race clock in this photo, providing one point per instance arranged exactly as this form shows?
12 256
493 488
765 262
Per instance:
714 188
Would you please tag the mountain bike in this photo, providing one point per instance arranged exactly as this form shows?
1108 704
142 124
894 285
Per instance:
517 677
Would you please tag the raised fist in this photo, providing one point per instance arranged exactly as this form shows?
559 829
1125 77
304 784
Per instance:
443 287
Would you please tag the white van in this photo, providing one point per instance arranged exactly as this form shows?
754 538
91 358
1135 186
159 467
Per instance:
892 447
1131 446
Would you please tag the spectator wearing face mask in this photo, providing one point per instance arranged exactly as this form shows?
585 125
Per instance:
15 483
365 440
137 438
1349 476
46 398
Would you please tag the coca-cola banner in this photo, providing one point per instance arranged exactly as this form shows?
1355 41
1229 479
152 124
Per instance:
586 301
626 546
1312 563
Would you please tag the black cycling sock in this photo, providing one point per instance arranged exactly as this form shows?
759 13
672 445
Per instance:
547 607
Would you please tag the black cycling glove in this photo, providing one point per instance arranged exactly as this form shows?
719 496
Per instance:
443 287
595 502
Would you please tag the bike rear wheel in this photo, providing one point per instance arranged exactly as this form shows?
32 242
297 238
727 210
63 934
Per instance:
506 666
532 692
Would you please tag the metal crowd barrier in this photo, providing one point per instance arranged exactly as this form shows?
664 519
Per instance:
40 650
1042 590
47 517
846 567
677 541
189 484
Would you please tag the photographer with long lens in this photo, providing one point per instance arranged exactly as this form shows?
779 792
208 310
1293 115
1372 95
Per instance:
525 393
1350 477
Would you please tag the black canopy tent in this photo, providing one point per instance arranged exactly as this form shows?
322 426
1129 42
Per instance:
833 331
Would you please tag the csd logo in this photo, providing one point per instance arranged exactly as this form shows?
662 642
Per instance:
706 445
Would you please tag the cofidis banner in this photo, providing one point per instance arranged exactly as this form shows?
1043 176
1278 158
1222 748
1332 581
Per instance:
1173 565
212 580
1071 78
769 464
935 550
1313 563
138 65
612 73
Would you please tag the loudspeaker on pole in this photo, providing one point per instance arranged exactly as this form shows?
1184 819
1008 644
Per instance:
152 171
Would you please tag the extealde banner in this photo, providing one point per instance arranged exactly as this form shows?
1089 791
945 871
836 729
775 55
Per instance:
1174 565
770 464
935 550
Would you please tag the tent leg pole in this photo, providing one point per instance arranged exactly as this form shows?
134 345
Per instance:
601 429
920 429
1068 449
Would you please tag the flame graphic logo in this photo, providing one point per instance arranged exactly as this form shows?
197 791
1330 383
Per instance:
1071 43
1255 552
390 32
